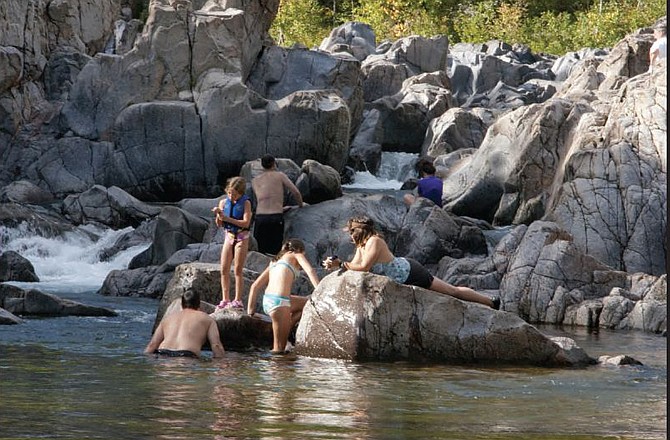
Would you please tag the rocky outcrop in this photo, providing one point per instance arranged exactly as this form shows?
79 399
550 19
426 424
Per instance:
363 317
237 330
23 191
110 206
455 129
355 38
33 302
174 230
7 318
625 168
13 267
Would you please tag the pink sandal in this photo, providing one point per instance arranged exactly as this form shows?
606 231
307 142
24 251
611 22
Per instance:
223 304
235 305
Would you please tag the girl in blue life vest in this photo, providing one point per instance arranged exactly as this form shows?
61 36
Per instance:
233 213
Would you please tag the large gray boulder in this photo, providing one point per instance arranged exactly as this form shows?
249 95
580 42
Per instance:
14 267
178 46
364 317
455 129
281 71
110 206
474 71
626 165
355 38
548 258
7 318
175 229
404 117
318 182
36 303
385 72
70 165
519 157
23 191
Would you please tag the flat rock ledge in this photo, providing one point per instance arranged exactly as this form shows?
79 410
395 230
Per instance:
359 316
33 302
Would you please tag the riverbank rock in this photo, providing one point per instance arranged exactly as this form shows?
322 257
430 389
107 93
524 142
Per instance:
237 330
365 317
13 267
110 206
33 302
7 318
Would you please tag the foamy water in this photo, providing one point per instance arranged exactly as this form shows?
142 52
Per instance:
394 169
71 261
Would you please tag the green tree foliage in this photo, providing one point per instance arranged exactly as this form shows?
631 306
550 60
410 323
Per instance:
301 22
551 26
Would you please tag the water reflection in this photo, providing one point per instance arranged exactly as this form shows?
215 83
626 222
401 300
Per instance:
87 378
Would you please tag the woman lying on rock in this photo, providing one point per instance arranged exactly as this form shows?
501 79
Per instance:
373 255
284 309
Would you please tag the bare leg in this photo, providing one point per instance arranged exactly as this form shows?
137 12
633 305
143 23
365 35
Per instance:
281 325
226 261
409 199
241 250
297 304
464 293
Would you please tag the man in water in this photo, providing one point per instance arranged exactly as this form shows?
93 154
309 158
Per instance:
183 333
269 189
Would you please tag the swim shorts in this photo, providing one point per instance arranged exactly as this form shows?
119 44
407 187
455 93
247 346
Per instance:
269 232
176 353
418 275
272 302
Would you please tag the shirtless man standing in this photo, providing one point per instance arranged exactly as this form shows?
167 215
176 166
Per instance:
183 333
269 189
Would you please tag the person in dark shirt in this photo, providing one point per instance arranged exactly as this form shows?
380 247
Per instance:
429 185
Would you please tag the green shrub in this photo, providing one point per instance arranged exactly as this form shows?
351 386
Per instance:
550 26
301 21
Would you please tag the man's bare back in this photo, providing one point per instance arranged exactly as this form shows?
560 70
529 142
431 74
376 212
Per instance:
186 330
269 191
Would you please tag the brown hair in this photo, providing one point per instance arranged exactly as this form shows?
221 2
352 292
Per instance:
238 184
190 300
291 245
361 229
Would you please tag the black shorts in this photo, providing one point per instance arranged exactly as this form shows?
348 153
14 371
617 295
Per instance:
269 232
176 353
418 275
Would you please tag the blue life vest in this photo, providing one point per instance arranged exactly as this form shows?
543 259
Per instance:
236 211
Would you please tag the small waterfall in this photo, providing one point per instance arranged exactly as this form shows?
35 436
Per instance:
71 261
394 170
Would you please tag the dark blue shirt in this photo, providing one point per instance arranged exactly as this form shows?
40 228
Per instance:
430 187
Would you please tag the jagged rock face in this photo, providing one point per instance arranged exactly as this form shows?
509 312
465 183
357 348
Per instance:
455 129
362 317
519 156
113 207
175 229
280 72
355 38
627 171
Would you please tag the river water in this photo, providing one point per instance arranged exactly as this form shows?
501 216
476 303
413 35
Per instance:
86 378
